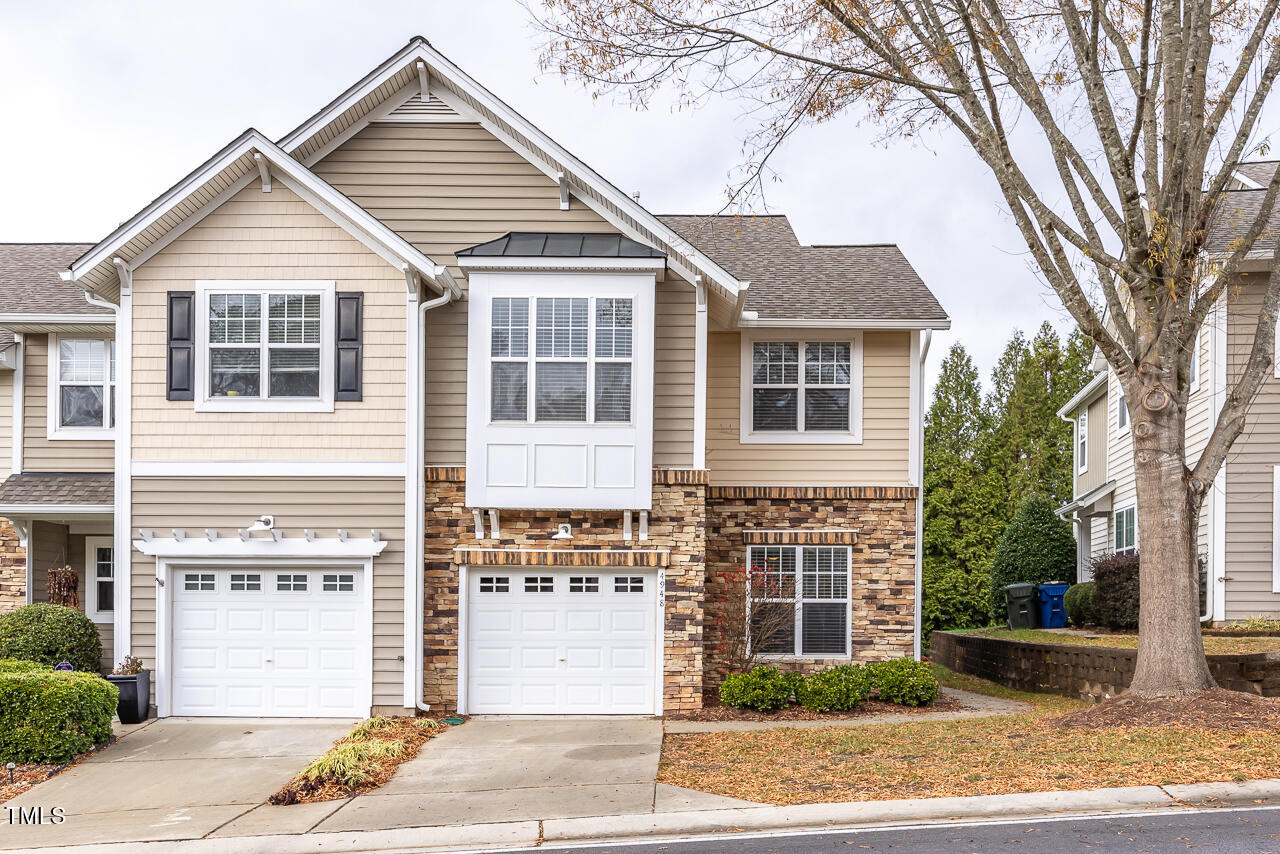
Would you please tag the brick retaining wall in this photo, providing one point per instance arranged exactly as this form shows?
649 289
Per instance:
1088 672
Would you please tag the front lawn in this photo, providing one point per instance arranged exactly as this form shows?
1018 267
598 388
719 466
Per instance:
984 756
1213 644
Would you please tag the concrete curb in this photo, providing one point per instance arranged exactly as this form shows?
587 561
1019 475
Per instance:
834 816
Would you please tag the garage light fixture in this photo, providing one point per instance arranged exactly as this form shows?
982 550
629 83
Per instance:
264 523
564 532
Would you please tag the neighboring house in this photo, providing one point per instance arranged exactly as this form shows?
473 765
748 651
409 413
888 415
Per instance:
411 406
1238 535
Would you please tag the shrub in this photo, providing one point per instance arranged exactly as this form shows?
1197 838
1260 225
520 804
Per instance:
836 689
1115 590
1078 603
762 688
48 716
51 634
904 681
1035 547
955 598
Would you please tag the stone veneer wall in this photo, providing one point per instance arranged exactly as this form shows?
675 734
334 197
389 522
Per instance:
677 522
884 554
13 569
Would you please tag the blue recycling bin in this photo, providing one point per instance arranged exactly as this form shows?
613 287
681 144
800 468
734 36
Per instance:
1049 596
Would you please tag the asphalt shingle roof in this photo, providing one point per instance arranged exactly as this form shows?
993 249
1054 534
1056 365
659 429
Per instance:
1236 212
537 244
57 488
29 282
791 280
1258 171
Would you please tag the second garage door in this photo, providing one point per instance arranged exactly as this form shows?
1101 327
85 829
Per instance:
562 642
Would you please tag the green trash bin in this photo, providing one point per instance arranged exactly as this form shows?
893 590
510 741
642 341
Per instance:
1020 599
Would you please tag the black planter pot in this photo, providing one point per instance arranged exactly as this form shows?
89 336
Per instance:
135 696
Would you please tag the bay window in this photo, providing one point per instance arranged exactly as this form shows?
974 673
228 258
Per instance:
806 391
799 600
82 386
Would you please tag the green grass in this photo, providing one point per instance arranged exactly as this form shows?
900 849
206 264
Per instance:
348 763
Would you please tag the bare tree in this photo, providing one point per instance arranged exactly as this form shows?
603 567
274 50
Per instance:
753 614
1141 109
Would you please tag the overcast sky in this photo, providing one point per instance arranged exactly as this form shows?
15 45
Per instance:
107 104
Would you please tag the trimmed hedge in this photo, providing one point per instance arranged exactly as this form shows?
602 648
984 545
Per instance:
761 688
904 681
1079 605
51 717
1115 590
836 689
1035 548
51 634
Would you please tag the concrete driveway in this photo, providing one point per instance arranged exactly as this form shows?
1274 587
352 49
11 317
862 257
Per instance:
178 778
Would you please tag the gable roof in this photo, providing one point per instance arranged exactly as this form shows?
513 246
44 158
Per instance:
525 244
1235 213
1259 172
29 281
226 173
870 285
350 111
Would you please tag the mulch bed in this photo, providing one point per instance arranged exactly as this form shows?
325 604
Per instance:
1215 709
26 776
712 710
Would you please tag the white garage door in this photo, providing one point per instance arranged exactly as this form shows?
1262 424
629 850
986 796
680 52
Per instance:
269 642
561 642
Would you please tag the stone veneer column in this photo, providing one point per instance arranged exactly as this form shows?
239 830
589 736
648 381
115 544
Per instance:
677 523
13 569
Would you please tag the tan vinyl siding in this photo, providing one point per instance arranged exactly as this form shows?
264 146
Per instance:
1119 462
319 504
39 452
1250 470
48 550
444 187
6 423
1096 470
270 236
882 458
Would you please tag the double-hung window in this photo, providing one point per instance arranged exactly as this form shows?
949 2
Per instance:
267 345
82 387
802 390
1126 530
576 352
1082 441
799 600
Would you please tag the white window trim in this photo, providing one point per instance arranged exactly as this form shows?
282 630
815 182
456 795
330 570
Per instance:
1082 440
91 546
1128 505
1196 365
853 436
800 601
1122 408
205 403
53 408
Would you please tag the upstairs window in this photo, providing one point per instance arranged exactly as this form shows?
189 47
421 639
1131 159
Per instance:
802 391
1122 415
269 348
82 386
576 351
1082 441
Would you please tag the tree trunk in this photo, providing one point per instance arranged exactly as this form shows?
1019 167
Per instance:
1171 658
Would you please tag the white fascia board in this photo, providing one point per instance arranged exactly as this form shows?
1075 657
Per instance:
1247 181
842 323
1085 395
575 170
57 511
169 548
563 263
10 320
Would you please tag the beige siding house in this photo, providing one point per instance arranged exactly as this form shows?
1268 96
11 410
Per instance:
412 409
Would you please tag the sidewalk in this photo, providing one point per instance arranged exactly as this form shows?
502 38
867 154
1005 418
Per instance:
525 834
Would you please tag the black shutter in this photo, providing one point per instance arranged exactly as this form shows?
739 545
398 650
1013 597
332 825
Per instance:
180 367
349 347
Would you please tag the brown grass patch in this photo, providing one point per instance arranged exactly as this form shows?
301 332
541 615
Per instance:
363 759
1216 709
1029 752
713 710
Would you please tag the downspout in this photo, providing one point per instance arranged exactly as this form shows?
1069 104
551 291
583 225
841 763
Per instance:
926 338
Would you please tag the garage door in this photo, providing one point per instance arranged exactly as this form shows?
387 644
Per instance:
561 643
269 642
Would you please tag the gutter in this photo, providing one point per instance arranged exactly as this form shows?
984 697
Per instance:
1085 394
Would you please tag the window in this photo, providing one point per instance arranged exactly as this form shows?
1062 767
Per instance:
1193 368
246 581
1126 528
100 579
491 584
1082 441
267 345
341 582
539 584
584 584
799 600
628 584
801 391
82 386
291 583
202 581
581 359
1122 415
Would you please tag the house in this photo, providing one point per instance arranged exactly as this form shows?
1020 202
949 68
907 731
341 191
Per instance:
412 408
1237 532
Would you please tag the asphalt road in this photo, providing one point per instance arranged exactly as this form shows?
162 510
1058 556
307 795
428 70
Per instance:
1222 831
